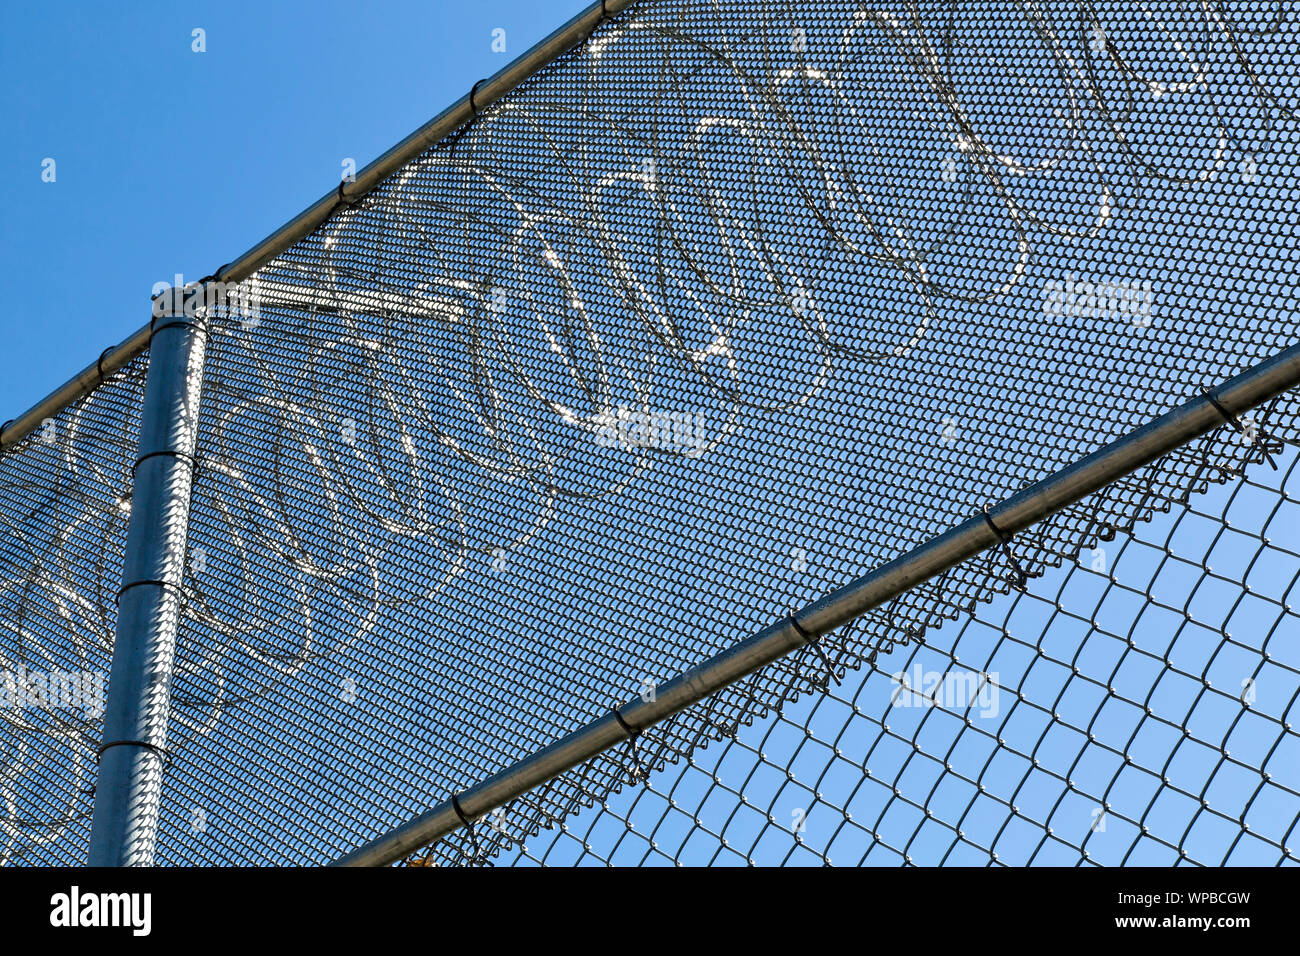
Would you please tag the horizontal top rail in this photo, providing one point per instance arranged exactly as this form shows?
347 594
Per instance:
483 94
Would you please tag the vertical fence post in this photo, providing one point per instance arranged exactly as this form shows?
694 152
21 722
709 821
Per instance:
132 752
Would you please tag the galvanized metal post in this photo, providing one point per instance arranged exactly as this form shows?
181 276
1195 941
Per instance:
134 745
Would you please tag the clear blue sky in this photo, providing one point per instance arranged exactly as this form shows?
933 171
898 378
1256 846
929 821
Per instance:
168 160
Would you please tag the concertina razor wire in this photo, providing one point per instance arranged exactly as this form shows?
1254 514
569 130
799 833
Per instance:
711 315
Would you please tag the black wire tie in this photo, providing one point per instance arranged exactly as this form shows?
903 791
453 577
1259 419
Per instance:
1256 436
1020 578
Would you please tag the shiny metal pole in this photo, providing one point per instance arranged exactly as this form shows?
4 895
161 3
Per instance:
134 744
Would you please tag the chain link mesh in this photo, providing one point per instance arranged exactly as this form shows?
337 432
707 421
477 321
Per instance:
1133 706
717 312
65 498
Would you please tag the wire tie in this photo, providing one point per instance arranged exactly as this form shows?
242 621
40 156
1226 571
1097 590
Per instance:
152 748
473 107
473 834
638 773
1255 436
604 15
99 365
1020 578
168 453
817 646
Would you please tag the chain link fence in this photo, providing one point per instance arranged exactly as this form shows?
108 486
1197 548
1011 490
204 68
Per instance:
1132 706
65 498
720 310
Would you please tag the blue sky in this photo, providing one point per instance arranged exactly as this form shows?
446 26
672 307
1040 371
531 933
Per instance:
168 160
